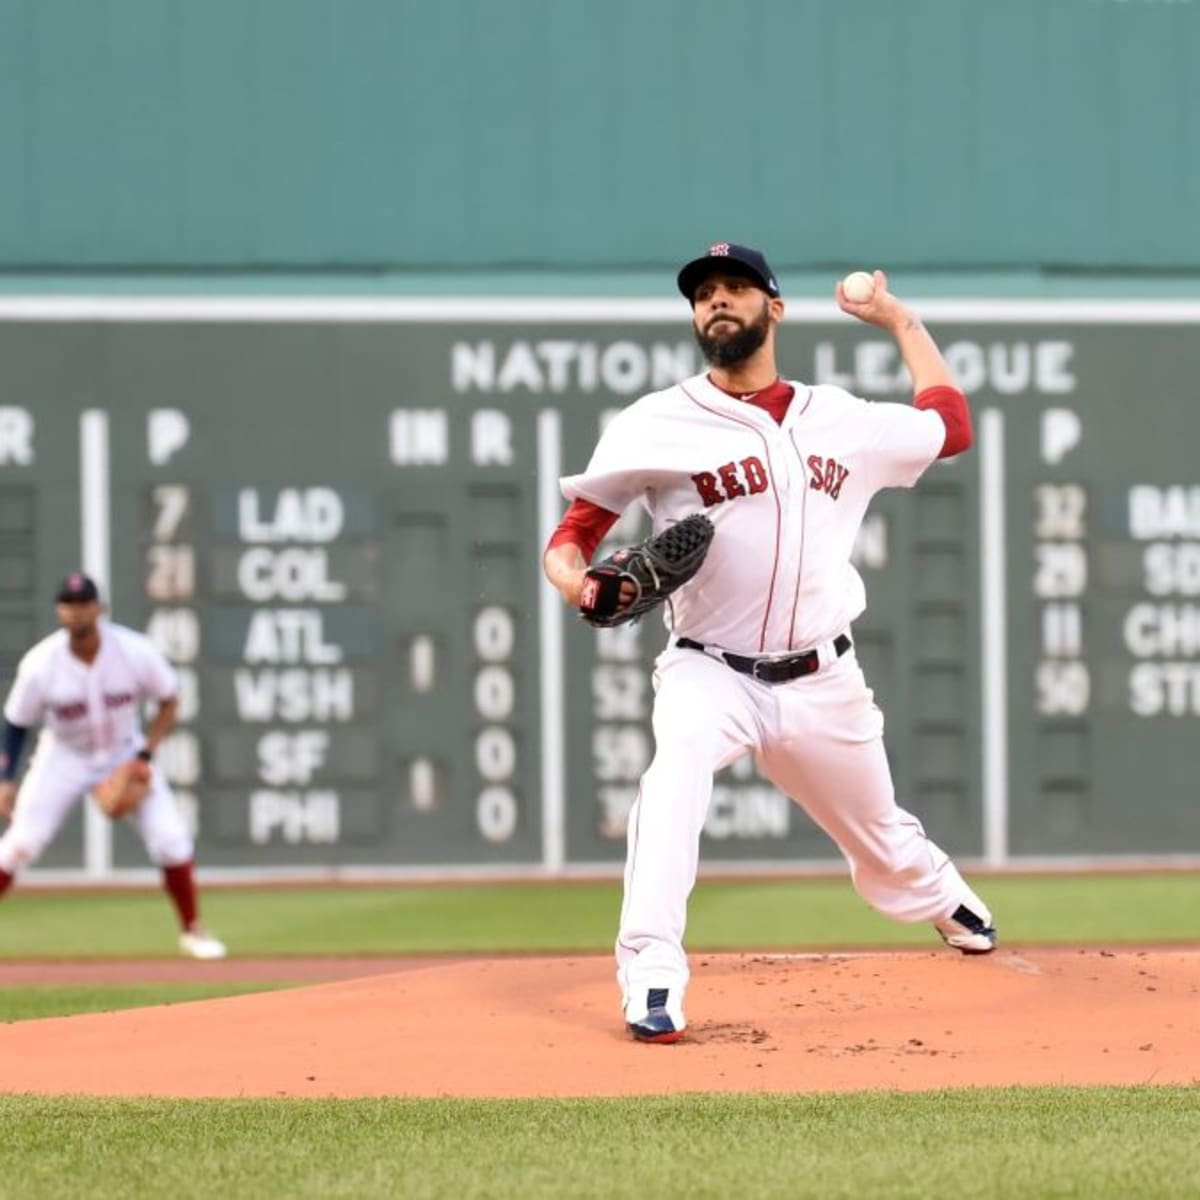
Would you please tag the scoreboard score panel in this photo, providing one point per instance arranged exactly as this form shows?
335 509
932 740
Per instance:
330 518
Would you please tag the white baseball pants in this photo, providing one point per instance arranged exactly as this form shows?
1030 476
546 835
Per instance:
819 739
57 780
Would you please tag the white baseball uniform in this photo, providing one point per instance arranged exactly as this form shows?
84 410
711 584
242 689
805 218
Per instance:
787 501
89 713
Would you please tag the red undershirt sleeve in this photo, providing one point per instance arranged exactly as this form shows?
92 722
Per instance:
951 405
584 525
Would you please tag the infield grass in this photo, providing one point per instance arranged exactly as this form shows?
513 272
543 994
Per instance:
1023 1144
581 917
32 1003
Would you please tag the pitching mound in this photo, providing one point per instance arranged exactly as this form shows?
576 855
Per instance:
550 1027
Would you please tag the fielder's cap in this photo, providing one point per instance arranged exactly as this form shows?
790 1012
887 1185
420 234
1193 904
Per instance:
77 588
732 259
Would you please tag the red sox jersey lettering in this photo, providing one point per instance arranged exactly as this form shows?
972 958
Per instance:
826 475
779 576
90 711
724 484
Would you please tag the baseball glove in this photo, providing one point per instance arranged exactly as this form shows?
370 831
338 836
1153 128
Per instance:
655 567
123 789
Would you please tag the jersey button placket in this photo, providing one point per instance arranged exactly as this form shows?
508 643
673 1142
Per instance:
94 684
791 499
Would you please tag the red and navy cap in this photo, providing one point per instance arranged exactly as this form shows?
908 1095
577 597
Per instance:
77 588
733 260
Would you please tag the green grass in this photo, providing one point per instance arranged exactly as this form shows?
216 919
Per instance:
776 914
1025 1144
30 1003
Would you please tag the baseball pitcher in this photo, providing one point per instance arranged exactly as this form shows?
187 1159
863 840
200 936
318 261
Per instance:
760 658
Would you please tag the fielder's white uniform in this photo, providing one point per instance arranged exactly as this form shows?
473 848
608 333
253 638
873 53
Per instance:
89 713
787 501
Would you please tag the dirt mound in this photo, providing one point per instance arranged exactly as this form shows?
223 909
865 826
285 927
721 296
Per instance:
550 1027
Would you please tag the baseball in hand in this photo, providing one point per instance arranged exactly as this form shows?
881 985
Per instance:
858 286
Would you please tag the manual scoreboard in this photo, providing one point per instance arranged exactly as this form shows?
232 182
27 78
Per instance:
331 521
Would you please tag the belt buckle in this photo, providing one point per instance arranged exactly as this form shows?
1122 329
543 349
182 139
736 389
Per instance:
791 666
780 669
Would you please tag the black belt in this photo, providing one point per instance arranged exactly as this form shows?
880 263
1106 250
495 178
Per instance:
773 670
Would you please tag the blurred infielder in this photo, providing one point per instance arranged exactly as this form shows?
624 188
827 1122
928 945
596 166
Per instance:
85 684
760 658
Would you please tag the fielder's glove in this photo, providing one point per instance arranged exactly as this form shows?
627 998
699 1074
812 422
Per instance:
123 789
655 568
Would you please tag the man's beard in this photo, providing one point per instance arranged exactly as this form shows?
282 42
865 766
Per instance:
730 349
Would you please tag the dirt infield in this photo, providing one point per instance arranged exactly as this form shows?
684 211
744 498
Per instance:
73 972
549 1027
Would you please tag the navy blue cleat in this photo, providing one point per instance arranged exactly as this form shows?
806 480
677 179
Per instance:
965 931
657 1025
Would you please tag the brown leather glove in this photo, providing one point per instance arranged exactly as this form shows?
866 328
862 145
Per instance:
123 789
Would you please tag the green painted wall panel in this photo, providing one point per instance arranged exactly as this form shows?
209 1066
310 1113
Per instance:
302 134
445 680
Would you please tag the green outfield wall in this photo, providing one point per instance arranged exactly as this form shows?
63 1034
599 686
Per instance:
403 135
330 514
